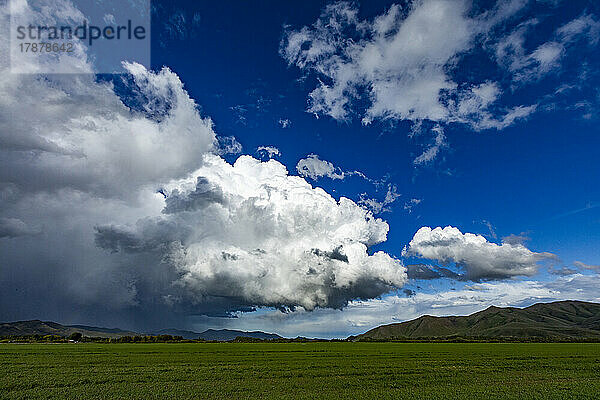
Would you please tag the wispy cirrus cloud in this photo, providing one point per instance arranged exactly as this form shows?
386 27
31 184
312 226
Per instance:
584 266
380 206
401 59
546 58
402 65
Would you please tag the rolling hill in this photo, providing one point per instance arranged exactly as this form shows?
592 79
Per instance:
37 327
561 320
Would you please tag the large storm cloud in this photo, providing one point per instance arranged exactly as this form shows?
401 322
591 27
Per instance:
118 209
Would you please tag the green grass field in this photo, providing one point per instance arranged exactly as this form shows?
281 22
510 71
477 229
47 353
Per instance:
300 371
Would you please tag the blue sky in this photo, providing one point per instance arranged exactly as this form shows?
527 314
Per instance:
465 135
527 177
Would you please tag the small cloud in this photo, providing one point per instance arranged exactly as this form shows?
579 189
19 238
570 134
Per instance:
228 145
109 19
582 265
14 227
547 57
176 26
584 25
564 271
430 272
268 152
409 205
313 167
491 229
285 123
241 113
432 151
515 239
376 206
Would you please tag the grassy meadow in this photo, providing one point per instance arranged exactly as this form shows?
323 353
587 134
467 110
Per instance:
300 371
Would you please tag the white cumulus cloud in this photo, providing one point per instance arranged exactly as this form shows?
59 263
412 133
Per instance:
478 258
314 168
251 232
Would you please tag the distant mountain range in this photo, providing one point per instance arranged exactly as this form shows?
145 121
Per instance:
37 327
220 335
228 334
562 320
